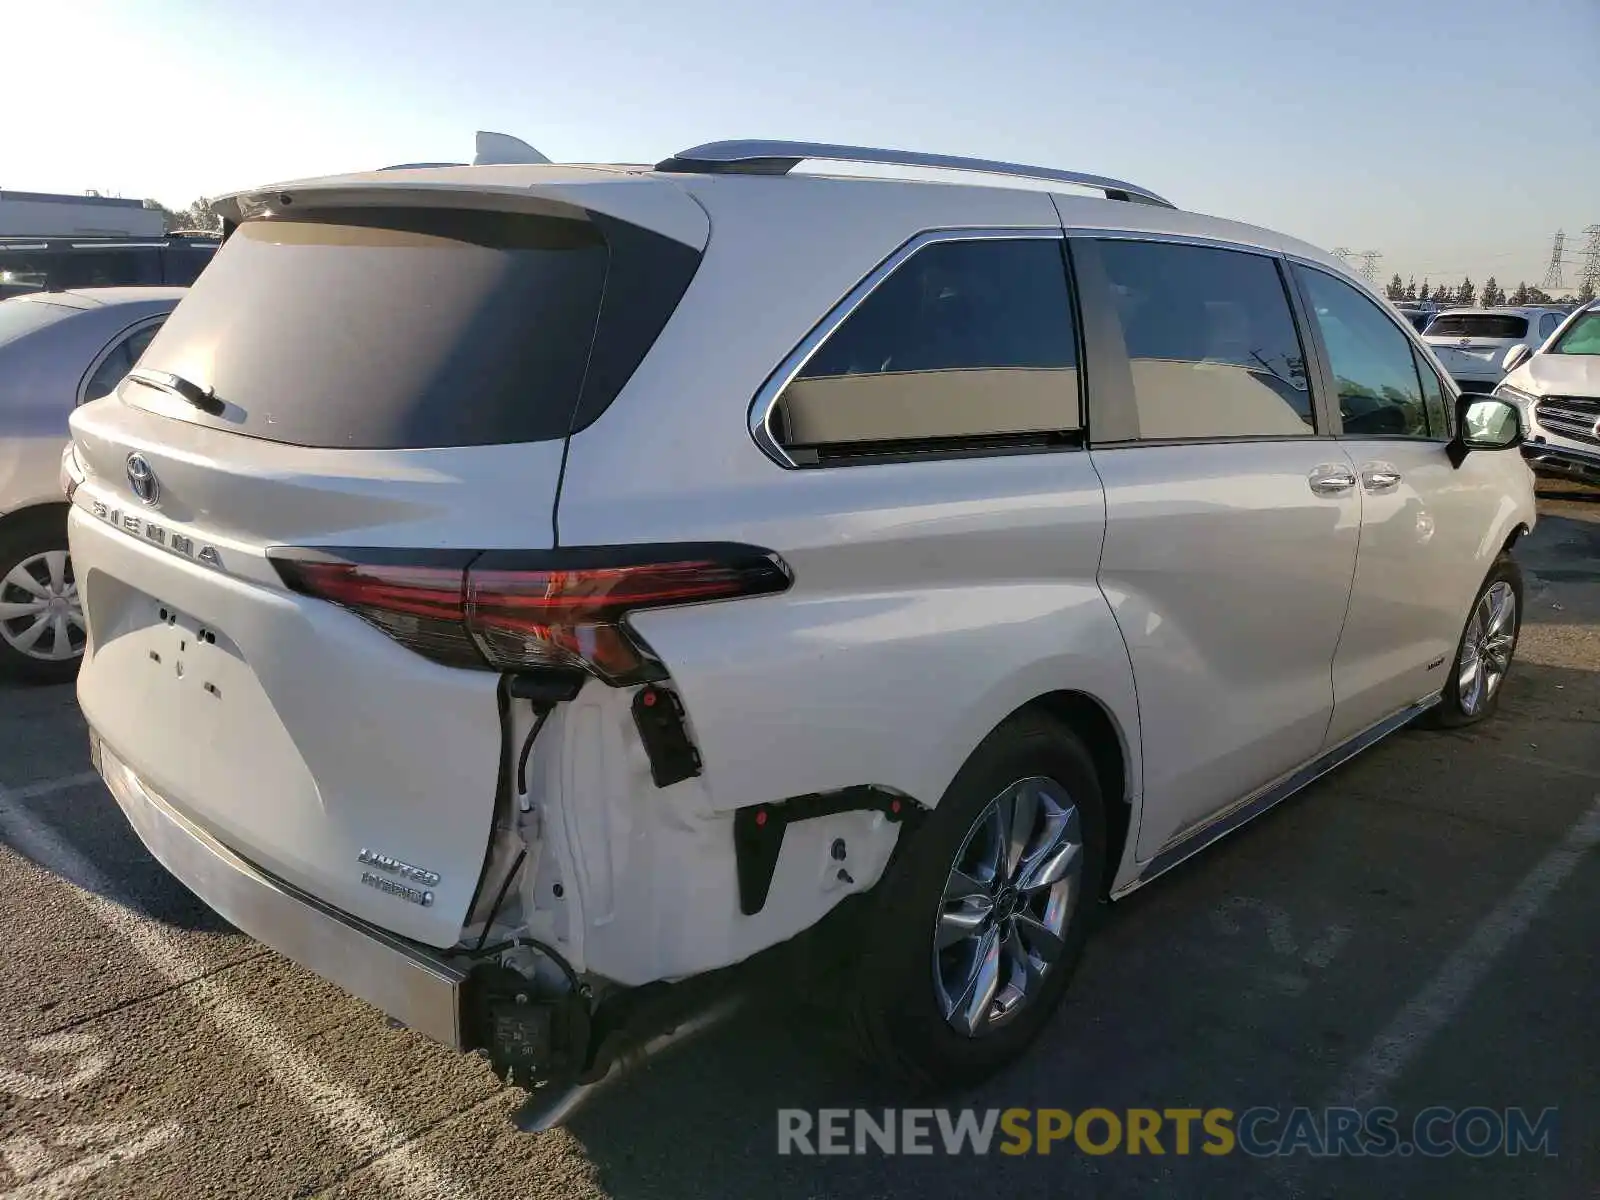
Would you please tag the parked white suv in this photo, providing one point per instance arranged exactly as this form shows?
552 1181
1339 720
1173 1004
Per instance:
512 588
1472 343
1557 387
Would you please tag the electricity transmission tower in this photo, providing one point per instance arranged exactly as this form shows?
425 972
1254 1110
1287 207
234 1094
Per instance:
1552 274
1591 259
1369 260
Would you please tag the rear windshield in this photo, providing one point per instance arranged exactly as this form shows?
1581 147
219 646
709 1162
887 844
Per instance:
20 317
397 328
1479 325
1581 337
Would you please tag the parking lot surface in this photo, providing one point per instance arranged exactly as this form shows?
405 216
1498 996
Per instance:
1416 929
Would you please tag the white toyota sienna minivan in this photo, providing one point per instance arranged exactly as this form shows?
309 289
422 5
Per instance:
513 590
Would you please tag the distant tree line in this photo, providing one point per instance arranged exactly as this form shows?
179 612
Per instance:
197 216
1468 294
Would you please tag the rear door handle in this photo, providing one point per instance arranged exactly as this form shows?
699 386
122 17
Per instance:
1331 479
1379 477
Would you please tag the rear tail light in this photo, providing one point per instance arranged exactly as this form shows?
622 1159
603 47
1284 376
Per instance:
516 611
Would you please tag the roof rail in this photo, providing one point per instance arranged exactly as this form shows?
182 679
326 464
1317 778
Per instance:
778 158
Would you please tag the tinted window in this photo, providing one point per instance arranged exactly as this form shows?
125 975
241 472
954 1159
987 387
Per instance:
1379 390
1211 341
118 363
106 268
1581 337
1547 324
1435 400
965 342
1479 325
181 265
392 328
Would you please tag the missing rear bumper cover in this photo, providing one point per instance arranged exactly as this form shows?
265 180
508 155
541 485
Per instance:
758 832
658 714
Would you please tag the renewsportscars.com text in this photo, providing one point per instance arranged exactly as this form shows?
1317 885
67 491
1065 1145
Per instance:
1261 1132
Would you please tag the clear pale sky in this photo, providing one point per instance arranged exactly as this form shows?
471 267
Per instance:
1454 137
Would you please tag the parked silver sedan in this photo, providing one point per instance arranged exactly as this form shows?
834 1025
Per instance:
57 350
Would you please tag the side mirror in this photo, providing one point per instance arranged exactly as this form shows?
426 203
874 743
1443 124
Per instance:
1514 358
1484 423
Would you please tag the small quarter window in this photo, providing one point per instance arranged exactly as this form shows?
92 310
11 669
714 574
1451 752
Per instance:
1434 400
1211 343
966 345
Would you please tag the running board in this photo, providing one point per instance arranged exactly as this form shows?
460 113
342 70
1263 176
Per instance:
1187 845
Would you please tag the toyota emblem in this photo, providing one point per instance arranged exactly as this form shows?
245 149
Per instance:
142 479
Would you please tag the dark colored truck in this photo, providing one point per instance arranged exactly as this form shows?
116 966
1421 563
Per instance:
29 264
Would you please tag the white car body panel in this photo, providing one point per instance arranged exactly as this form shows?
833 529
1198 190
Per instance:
1198 595
1228 577
1426 546
300 773
29 472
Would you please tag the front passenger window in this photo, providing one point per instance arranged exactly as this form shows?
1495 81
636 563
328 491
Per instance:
1380 394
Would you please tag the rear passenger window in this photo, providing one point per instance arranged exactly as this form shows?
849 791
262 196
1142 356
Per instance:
1211 342
965 345
1380 393
1547 324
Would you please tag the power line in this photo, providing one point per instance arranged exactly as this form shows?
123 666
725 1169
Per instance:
1552 275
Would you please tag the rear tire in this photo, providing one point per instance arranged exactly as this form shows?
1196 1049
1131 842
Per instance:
1483 652
41 621
905 999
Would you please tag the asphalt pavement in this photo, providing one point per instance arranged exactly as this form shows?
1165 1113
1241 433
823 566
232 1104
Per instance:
1415 930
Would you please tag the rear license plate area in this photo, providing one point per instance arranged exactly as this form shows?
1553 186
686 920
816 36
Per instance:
188 652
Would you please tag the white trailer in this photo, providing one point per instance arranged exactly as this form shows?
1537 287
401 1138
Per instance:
45 214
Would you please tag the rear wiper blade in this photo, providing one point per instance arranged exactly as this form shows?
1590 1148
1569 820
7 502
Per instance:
203 398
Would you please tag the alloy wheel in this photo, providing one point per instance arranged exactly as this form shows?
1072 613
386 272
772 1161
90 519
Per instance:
1487 646
1007 902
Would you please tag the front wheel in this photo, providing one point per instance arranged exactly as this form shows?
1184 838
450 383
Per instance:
1484 653
977 929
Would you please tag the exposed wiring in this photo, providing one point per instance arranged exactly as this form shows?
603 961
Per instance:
538 948
527 749
500 898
